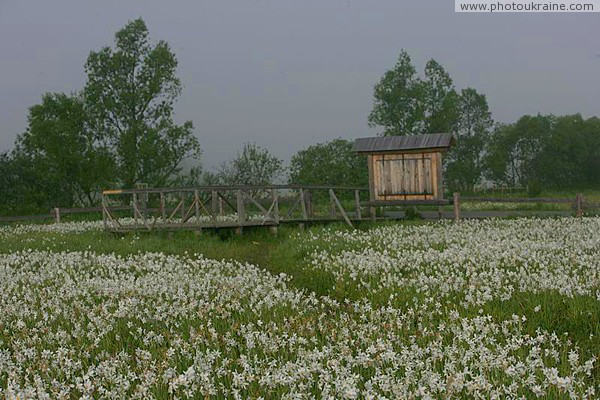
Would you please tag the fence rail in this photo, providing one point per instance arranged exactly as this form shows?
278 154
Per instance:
519 199
576 203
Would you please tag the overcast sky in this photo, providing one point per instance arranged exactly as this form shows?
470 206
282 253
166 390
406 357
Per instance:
286 74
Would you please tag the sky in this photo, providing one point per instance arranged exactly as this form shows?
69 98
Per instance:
287 74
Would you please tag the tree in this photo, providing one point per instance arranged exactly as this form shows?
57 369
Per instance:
398 99
515 151
63 152
254 166
405 104
129 95
20 188
465 161
592 162
330 163
571 156
439 99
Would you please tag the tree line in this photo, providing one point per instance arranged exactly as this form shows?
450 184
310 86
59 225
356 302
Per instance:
118 131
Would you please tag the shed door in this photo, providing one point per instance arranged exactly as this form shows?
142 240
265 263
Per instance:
404 174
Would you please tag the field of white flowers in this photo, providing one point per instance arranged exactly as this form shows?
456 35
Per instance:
419 323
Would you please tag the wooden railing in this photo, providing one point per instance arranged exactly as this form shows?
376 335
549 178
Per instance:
195 208
273 204
577 204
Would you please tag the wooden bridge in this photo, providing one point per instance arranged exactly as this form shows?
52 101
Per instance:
205 207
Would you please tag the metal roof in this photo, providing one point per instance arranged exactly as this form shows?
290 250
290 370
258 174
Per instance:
399 143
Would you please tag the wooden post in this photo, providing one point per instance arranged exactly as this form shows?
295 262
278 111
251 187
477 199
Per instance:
440 212
357 201
197 203
303 205
309 204
163 212
579 205
333 208
274 194
57 215
456 207
133 207
182 206
372 210
240 211
214 197
220 206
104 212
439 176
143 202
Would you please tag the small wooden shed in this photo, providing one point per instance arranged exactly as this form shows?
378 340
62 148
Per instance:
405 168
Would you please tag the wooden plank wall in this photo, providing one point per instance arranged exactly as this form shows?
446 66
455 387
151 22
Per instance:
408 176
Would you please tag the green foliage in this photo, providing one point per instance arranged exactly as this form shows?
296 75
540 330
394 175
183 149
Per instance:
118 131
67 158
330 163
534 187
19 186
397 99
465 161
439 98
555 152
129 94
253 166
571 155
405 103
411 213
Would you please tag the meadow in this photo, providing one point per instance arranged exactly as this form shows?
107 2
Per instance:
480 309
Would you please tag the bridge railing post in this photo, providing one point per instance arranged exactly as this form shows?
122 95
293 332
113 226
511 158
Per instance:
275 196
182 206
357 203
240 211
163 212
214 200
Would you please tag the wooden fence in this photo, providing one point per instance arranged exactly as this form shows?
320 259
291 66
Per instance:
218 201
197 208
577 204
57 213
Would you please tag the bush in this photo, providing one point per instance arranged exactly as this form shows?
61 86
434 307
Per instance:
534 187
411 213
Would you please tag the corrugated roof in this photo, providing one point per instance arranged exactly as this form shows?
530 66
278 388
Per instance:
398 143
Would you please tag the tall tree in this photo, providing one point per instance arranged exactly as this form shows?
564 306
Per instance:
439 99
398 99
129 94
465 161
